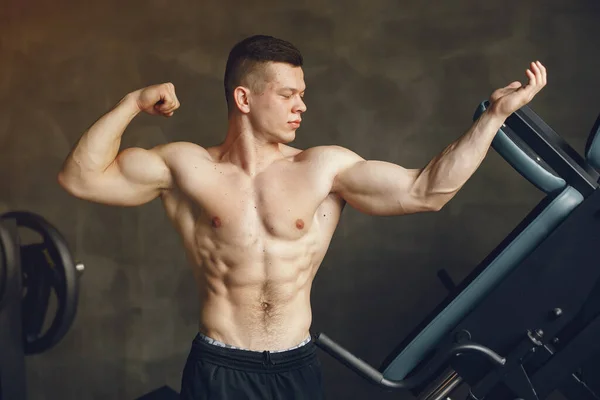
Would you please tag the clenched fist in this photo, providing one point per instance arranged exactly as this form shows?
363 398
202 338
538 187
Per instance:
157 99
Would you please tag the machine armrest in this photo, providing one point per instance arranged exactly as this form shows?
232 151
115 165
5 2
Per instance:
540 154
523 159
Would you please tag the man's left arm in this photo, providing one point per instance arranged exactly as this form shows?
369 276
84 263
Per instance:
382 188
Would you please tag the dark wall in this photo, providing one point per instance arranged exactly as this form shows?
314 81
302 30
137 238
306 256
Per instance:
394 81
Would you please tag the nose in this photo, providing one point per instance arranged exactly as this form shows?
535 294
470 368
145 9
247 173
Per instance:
300 106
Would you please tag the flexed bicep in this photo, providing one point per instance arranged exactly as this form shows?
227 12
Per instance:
135 177
95 170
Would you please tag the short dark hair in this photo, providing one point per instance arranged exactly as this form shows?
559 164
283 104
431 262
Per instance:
252 53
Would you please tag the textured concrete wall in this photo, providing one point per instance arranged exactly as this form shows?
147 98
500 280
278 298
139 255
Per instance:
394 81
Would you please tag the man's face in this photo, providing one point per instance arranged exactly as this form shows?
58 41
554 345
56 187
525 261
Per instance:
276 108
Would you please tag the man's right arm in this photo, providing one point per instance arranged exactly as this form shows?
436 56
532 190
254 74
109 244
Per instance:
95 170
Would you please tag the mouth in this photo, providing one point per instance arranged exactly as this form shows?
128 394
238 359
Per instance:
295 124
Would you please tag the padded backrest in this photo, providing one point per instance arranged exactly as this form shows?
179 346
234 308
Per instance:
592 147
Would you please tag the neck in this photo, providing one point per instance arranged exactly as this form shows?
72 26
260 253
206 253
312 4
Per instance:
246 148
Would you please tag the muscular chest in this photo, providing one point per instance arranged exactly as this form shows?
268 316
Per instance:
280 202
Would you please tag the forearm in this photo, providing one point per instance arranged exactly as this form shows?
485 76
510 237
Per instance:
443 177
99 145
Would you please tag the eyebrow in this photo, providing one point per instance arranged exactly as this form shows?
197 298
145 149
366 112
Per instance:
294 90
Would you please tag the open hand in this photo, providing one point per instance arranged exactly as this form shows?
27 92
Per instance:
509 99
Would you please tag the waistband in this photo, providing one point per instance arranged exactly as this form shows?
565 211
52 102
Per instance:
254 361
215 342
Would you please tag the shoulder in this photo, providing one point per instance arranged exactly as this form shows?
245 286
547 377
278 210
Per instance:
334 156
181 151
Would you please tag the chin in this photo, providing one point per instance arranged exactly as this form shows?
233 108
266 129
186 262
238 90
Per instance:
290 137
285 137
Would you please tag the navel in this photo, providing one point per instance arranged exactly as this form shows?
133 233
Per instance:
216 222
299 224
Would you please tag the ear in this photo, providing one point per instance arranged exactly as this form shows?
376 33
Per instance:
241 96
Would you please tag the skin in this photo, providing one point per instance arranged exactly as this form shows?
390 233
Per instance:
256 215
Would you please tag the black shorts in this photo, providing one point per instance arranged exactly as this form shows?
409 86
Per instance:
213 372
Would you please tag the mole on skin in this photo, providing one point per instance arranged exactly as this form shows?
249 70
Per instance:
216 222
299 224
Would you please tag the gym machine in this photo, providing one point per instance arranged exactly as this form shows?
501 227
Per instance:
526 322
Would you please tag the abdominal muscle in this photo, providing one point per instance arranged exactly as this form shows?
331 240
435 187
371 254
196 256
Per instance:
254 295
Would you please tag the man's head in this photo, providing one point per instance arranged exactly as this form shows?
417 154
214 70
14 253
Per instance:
264 80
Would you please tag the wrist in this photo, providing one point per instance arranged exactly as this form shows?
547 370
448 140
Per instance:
494 112
130 103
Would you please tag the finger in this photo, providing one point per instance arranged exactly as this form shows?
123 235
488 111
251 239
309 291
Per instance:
531 77
538 73
171 90
173 102
169 103
168 86
163 106
514 85
541 74
505 90
171 107
166 93
175 99
534 68
176 103
544 72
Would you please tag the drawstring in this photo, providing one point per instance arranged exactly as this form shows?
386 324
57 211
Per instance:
267 360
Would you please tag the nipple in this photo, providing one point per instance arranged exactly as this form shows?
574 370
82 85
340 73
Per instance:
216 222
299 224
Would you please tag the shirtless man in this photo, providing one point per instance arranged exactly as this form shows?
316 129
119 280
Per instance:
256 215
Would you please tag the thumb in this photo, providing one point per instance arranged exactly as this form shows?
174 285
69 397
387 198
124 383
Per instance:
511 88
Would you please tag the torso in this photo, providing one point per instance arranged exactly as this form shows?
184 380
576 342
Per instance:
254 242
